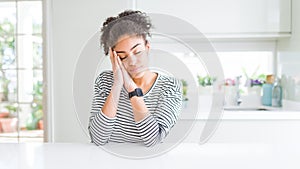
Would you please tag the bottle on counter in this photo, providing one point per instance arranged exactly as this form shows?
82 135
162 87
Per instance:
277 94
267 89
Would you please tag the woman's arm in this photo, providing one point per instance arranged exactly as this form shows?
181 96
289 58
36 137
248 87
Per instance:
105 108
102 120
111 104
155 127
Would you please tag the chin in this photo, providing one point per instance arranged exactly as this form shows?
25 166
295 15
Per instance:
138 75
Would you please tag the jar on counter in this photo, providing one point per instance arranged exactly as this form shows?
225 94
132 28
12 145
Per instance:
267 89
277 94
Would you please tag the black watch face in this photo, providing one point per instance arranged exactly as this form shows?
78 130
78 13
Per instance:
139 92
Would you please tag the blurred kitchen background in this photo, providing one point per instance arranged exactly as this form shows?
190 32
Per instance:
256 41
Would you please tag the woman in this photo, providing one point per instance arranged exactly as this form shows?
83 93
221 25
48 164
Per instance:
132 103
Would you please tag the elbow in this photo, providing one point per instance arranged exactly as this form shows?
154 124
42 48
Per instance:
98 141
96 138
154 139
149 145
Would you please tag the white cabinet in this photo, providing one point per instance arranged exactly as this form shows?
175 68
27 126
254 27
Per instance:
217 17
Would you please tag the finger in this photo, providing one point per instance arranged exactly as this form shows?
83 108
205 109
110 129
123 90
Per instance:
128 82
116 59
124 71
111 55
121 64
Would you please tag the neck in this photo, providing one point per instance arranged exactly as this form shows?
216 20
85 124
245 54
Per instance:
141 81
146 81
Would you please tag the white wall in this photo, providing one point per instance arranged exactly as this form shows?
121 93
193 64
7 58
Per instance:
289 55
72 23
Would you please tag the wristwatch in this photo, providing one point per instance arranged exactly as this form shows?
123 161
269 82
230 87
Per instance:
137 92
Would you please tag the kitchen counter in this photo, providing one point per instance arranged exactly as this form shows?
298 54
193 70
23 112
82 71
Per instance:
185 155
244 114
261 115
290 111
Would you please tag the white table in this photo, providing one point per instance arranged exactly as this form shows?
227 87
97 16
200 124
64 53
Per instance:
185 155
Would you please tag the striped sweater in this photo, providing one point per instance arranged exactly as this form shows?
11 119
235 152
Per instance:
163 101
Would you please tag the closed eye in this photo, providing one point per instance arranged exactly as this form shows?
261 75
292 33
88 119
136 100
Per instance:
138 53
123 58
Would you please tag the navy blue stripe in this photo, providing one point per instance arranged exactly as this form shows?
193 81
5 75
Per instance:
163 102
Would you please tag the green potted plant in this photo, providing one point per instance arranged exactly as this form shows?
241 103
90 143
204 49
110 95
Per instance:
184 89
254 82
184 92
7 58
4 86
35 120
7 47
206 84
9 122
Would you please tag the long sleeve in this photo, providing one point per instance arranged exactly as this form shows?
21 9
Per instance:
156 126
100 126
163 101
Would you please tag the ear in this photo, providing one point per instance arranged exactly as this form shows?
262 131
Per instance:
147 45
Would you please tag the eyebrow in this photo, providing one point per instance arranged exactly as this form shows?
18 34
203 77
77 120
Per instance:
130 48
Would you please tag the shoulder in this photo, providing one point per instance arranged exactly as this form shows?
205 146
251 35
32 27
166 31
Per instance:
170 82
105 77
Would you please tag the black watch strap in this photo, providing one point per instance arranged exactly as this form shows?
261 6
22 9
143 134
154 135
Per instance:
137 92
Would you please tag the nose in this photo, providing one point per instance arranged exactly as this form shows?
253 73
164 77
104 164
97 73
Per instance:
132 60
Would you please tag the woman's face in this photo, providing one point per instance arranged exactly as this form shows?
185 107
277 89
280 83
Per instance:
133 52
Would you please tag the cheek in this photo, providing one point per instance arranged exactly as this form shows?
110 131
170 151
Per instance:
145 59
125 66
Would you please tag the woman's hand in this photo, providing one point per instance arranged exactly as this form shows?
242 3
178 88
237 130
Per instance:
118 77
128 82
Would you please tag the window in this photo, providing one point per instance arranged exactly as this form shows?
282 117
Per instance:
248 59
249 63
21 71
241 57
